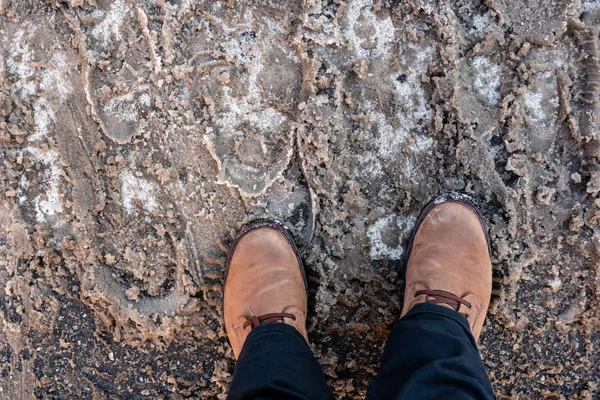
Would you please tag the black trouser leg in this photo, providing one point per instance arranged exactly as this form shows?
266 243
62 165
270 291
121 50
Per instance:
431 354
276 363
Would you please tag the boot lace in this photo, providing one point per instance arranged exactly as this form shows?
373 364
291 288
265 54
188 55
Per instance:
443 297
267 318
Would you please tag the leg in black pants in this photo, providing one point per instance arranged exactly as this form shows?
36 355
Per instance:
430 354
276 363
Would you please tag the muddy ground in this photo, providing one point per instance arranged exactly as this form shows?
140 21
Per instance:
137 136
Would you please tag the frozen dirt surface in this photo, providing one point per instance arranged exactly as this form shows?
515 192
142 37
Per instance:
137 136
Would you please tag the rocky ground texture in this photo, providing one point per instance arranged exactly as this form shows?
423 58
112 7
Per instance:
136 137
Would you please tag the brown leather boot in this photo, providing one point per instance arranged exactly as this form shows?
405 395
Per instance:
448 260
264 282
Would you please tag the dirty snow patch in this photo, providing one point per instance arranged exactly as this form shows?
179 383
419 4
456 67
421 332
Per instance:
541 102
588 5
135 188
111 24
18 63
380 250
248 109
390 140
55 80
125 108
487 80
384 29
43 116
414 110
533 101
480 22
533 104
48 203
